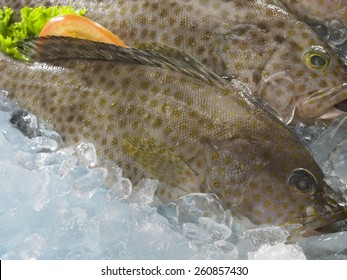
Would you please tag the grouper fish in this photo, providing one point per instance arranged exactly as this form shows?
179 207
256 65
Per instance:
163 115
278 57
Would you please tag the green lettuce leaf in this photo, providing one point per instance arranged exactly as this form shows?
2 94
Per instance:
33 20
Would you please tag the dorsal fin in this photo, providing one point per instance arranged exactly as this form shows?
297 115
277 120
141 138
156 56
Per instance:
50 48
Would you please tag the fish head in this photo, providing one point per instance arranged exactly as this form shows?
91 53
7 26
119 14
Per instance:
271 184
326 91
304 76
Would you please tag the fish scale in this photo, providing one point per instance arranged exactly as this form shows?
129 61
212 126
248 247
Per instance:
191 132
260 45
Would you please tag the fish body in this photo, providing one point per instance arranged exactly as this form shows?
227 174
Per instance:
168 117
278 57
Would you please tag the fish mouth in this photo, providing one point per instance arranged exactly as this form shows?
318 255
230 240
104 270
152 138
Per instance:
324 103
315 224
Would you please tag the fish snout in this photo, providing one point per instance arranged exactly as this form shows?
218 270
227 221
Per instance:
322 216
325 103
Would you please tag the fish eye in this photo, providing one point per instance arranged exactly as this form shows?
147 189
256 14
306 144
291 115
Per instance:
317 58
317 61
302 182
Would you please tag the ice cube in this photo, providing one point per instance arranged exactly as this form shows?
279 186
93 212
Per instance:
215 231
114 223
14 139
245 246
68 223
226 249
31 247
208 240
63 158
27 187
153 237
250 240
41 144
194 232
169 211
338 161
16 223
340 189
266 235
204 222
68 162
87 185
31 161
6 148
207 231
53 135
309 133
193 206
26 122
87 154
327 246
143 193
278 251
120 190
329 139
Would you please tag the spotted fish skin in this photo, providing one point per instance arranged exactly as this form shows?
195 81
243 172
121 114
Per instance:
190 133
266 48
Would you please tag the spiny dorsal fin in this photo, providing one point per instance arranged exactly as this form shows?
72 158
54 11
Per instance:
52 48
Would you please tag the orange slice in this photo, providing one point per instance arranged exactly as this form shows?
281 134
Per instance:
80 27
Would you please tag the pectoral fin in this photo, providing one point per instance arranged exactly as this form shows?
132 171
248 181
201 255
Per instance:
162 163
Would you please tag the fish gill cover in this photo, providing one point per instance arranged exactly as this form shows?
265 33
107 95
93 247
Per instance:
33 20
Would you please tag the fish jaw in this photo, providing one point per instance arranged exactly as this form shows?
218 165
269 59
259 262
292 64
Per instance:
324 224
320 104
323 214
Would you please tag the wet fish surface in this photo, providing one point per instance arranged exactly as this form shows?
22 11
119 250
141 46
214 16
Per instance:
164 115
282 60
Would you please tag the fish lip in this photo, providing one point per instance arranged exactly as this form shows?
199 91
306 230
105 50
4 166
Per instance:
333 113
323 103
312 227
